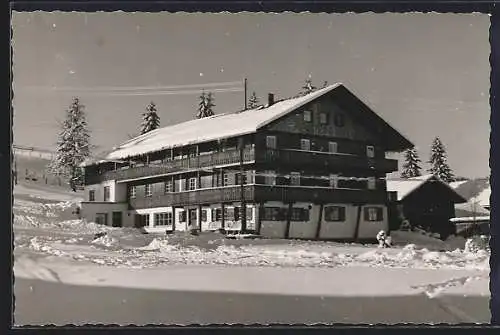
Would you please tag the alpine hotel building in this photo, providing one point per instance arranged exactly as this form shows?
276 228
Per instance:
311 167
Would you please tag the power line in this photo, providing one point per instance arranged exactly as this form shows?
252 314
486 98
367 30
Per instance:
157 93
135 88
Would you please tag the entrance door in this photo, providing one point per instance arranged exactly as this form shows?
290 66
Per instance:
117 219
193 218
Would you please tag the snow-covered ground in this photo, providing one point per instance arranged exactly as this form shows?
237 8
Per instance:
52 245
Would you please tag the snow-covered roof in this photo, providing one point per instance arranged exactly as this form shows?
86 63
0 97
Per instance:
219 126
455 184
471 206
483 198
404 187
223 126
471 218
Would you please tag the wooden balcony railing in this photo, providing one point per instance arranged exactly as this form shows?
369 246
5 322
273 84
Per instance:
259 193
324 160
185 164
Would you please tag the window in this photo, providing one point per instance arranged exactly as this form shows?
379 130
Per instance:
305 144
225 179
295 178
204 215
332 147
182 216
238 180
339 120
271 142
249 214
216 214
148 190
334 181
323 118
192 184
335 213
168 187
229 214
370 151
373 214
91 195
270 178
107 192
307 116
101 218
371 183
273 214
163 219
299 214
132 191
141 220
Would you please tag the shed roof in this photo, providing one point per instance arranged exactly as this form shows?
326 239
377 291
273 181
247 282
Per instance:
405 187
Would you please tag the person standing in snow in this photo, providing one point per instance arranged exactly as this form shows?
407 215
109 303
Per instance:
383 240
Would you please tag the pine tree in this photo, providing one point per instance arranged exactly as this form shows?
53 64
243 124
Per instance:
438 161
150 119
73 145
411 167
206 105
253 102
308 87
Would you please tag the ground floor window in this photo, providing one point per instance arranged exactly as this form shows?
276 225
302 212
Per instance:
182 216
204 215
101 218
373 214
229 214
216 214
92 195
299 214
163 219
335 213
141 220
273 214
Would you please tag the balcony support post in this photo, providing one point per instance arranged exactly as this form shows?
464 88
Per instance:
223 218
199 217
318 226
288 220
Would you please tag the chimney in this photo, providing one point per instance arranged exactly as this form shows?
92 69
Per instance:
270 99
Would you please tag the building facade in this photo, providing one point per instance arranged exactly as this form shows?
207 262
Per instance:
309 167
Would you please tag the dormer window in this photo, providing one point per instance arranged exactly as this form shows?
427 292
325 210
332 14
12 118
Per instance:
307 116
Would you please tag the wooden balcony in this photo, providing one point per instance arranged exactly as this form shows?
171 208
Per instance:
186 164
259 193
313 159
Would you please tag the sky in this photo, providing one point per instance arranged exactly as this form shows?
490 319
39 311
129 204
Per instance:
426 74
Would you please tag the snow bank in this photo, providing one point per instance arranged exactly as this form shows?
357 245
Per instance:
350 281
105 241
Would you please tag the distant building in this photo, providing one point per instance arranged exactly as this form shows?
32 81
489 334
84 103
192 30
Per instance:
309 167
425 201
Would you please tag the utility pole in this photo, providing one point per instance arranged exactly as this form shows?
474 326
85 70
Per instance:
243 213
245 89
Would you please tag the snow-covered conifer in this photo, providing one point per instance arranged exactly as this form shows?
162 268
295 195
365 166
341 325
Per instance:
73 145
150 119
253 102
438 161
206 105
411 166
308 87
